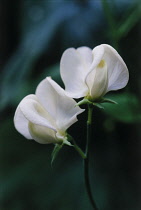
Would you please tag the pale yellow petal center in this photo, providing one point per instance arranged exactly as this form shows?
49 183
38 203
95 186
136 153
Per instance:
101 64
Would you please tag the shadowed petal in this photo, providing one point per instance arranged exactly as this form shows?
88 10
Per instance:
41 134
99 85
96 79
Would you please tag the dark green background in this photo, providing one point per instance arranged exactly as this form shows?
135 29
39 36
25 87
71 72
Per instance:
33 36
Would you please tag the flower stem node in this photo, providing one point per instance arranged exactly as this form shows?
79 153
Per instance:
58 146
96 103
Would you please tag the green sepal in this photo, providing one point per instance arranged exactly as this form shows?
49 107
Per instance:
98 105
55 152
107 100
86 101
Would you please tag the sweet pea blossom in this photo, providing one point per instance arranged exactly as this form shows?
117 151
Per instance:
47 115
92 73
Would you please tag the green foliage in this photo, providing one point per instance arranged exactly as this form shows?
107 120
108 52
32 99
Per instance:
119 29
131 18
127 109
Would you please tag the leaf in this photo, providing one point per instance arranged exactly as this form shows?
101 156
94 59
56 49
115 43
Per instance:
127 110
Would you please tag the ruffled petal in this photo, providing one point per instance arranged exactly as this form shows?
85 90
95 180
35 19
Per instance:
64 110
118 74
41 134
35 113
74 67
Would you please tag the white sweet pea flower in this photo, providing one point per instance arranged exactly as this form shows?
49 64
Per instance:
47 115
92 73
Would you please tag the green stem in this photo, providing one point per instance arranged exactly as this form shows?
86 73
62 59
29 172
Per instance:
77 148
86 160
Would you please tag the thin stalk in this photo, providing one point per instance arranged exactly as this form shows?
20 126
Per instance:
76 147
86 160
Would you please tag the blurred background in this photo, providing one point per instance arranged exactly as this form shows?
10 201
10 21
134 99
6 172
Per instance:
33 36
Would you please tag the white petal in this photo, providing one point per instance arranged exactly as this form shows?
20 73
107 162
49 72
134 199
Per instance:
41 134
21 123
47 97
118 75
34 112
74 68
97 57
86 56
96 79
98 53
66 110
61 107
99 84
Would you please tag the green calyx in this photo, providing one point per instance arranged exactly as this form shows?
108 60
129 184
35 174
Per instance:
58 146
68 141
96 103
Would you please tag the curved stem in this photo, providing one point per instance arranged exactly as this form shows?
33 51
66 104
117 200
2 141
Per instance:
76 147
86 160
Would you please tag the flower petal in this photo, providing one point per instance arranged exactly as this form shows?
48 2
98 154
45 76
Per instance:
96 79
66 110
118 75
34 112
42 134
74 68
47 97
21 123
99 84
58 104
97 53
86 56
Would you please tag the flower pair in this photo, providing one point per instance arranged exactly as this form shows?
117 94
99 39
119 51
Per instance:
46 116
